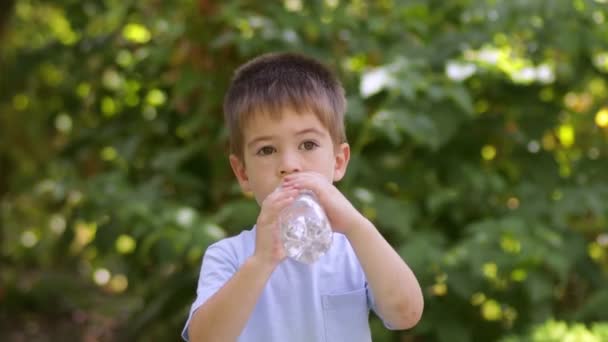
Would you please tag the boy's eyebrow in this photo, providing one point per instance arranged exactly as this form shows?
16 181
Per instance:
270 137
258 139
309 130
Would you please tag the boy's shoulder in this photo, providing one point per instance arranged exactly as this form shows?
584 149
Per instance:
237 247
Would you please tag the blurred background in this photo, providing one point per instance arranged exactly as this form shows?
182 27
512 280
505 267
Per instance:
479 132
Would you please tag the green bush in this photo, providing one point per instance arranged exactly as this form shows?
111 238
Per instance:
479 134
559 331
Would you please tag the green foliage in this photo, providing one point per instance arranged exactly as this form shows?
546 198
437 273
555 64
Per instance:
478 129
557 331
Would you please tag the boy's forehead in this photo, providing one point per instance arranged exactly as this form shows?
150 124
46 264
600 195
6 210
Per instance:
260 122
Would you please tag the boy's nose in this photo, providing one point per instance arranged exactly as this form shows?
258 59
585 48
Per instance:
285 172
289 165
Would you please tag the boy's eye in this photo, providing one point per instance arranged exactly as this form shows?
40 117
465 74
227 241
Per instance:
266 150
309 145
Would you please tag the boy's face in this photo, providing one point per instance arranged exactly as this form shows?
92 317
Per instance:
273 149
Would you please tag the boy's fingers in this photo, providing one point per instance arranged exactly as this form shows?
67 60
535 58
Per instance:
282 203
278 200
274 195
308 183
285 197
303 177
284 192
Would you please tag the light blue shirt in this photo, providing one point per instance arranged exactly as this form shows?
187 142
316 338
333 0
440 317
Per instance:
327 301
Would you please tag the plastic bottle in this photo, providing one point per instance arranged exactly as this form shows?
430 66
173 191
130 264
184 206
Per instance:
305 229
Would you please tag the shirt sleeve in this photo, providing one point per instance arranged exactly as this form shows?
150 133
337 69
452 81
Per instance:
218 266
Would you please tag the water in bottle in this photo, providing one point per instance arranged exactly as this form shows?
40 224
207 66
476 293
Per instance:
305 229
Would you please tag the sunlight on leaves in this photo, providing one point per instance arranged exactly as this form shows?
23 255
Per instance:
364 195
57 224
519 275
101 276
548 141
332 3
481 106
75 197
24 9
598 17
597 87
440 289
557 195
507 59
355 63
510 244
136 33
185 217
61 28
156 97
63 123
84 234
21 102
293 5
108 106
533 147
491 310
509 314
51 74
602 240
601 118
375 80
488 152
125 244
109 153
149 113
600 60
595 251
559 331
458 71
112 80
565 133
369 212
245 28
29 238
593 153
513 202
194 254
490 270
478 298
83 89
118 283
124 58
214 231
546 94
563 160
578 102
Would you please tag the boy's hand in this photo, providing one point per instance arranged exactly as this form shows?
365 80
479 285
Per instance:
268 244
341 213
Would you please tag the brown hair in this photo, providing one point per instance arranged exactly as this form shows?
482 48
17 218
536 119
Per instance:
274 82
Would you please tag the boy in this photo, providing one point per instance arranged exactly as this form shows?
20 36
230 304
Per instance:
285 114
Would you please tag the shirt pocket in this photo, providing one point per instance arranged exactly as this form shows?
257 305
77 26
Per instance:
346 317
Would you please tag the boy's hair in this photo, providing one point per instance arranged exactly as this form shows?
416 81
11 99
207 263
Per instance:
274 82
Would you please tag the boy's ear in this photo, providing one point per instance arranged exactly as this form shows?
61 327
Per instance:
238 167
342 156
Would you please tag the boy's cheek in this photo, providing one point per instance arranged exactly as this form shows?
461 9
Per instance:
261 195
